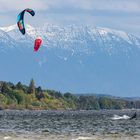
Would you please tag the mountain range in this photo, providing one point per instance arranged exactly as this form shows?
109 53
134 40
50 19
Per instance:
78 59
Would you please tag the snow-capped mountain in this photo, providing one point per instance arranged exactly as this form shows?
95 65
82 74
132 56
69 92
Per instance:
72 58
75 38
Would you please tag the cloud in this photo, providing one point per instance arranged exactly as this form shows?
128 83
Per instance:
72 6
120 5
117 14
15 5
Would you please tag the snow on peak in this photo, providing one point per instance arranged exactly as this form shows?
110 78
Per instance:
121 34
9 28
52 29
73 37
14 32
14 27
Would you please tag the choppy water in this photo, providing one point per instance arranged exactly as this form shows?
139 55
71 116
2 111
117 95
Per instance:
67 125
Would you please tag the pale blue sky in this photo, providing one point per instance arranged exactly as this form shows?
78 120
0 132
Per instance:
118 14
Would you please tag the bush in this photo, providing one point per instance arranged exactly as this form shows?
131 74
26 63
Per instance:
3 99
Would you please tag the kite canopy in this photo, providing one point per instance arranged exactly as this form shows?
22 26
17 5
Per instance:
20 20
37 44
21 26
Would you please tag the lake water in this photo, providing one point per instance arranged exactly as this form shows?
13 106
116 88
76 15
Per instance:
68 125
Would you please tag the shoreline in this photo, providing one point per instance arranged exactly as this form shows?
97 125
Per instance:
67 137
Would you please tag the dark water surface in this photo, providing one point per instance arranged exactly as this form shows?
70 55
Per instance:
68 125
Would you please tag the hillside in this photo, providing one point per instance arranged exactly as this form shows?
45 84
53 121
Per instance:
20 96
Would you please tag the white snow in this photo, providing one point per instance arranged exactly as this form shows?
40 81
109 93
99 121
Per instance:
121 34
74 38
50 31
9 28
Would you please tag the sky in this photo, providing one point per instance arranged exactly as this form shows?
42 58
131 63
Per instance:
116 14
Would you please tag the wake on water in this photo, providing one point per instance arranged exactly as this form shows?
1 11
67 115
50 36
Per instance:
117 117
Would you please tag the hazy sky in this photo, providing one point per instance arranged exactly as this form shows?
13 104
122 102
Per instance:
118 14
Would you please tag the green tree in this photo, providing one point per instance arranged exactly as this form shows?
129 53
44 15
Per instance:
19 86
31 89
5 88
55 94
39 93
3 99
71 100
105 103
38 89
19 95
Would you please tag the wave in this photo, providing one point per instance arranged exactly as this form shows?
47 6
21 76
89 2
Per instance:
117 117
82 138
7 137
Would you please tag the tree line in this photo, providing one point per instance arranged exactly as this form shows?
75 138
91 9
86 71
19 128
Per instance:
20 96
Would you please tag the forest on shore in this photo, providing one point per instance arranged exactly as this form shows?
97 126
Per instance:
20 96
